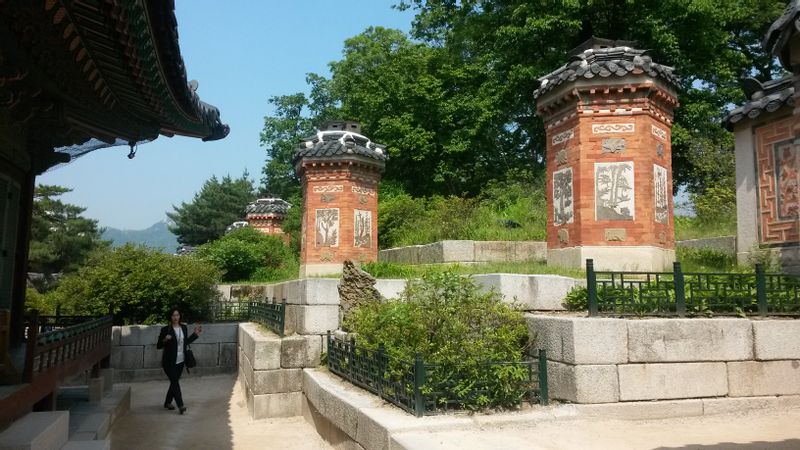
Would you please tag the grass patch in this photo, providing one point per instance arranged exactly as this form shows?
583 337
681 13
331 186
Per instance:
407 271
694 228
707 260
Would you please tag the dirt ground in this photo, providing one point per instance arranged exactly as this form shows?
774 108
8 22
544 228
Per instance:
216 418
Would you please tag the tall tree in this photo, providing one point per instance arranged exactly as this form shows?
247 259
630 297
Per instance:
711 43
61 238
218 204
439 115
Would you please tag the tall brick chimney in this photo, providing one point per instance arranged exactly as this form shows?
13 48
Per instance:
339 170
608 117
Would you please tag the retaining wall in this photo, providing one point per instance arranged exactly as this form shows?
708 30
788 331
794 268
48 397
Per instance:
466 252
134 355
312 304
724 244
594 360
271 369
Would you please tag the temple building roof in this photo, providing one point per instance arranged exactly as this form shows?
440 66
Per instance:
781 32
605 58
264 206
772 95
98 70
763 98
337 139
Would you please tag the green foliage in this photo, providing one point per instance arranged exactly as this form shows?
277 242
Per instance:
705 260
696 228
61 238
455 326
139 285
41 302
218 204
246 254
517 41
518 201
577 299
281 134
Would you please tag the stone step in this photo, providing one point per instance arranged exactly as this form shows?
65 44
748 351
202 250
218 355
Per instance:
37 431
87 445
92 421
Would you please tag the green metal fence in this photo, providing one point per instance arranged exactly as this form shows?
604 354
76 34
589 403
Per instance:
425 389
271 314
684 294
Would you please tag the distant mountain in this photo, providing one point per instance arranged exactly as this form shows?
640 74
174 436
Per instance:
157 235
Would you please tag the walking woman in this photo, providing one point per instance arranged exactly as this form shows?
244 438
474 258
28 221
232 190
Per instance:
174 340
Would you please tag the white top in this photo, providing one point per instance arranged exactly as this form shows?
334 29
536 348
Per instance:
179 337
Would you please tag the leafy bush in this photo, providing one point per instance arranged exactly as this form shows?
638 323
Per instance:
247 254
40 302
139 285
577 299
456 327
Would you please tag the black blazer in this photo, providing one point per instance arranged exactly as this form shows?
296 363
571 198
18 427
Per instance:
170 353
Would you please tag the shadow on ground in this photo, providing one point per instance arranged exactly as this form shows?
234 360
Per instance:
217 418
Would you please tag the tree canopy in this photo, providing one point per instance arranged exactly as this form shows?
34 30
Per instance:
453 102
218 204
61 238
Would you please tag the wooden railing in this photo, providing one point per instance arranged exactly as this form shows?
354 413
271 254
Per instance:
63 350
64 345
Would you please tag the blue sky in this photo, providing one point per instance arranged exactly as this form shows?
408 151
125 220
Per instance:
242 52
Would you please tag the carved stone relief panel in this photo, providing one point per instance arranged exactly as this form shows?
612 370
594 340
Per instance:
563 209
614 191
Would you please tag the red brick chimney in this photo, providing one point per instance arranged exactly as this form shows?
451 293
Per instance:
339 170
608 117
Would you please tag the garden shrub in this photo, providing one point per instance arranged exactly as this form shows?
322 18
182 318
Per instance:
577 299
139 285
246 254
455 326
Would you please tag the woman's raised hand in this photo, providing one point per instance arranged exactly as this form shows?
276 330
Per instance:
198 329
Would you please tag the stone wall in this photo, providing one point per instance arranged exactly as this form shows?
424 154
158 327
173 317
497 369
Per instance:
593 360
271 369
466 251
312 304
724 244
134 355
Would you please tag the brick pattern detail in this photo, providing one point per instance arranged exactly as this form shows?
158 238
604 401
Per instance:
266 224
588 111
359 192
774 229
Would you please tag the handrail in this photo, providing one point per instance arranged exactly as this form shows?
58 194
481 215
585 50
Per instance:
53 348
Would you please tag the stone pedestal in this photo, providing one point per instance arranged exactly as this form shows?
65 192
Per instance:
608 117
339 170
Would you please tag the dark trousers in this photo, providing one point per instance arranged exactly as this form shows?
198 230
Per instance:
174 372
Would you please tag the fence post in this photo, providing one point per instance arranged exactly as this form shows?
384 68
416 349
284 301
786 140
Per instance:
680 289
381 357
30 351
544 388
591 287
282 318
761 290
419 381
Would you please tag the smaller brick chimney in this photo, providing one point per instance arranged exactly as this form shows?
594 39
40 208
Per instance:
339 170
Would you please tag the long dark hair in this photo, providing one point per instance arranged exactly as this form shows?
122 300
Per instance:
172 311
